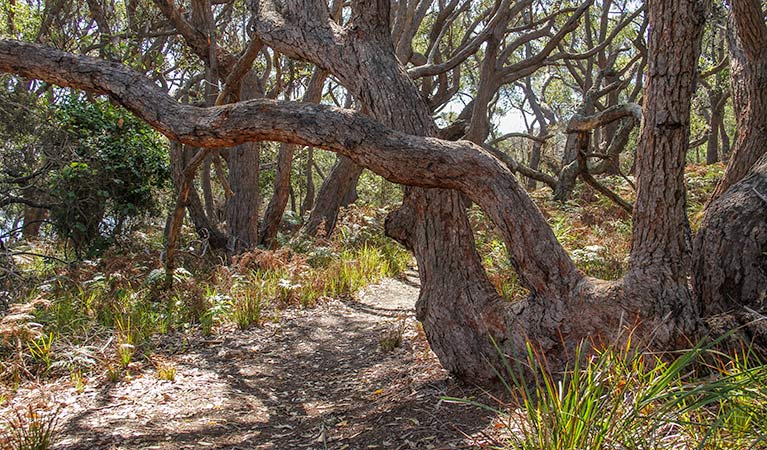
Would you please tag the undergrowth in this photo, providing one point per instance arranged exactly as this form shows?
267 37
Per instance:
102 317
594 230
621 398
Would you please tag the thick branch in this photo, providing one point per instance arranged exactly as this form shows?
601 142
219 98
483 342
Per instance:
401 158
604 117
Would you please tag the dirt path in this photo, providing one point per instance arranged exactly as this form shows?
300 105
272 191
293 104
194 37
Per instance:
317 379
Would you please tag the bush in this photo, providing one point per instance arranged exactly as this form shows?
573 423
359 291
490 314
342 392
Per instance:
117 163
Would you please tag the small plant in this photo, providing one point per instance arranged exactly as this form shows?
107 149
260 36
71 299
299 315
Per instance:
31 430
78 381
113 373
247 308
166 371
125 353
125 340
40 349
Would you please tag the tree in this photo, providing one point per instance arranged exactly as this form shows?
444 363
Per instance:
458 305
730 272
747 36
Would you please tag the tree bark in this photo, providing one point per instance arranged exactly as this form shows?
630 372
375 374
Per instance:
747 36
660 248
730 273
242 208
276 208
716 99
342 178
308 202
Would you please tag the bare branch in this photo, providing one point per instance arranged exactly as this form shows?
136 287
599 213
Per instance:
604 117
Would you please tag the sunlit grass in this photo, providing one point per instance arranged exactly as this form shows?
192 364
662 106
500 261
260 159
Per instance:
620 398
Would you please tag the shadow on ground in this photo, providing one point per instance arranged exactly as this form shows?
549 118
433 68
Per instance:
316 380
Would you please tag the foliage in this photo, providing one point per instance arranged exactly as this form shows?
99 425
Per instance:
117 164
105 315
619 397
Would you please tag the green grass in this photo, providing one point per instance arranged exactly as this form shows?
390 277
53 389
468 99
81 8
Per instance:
619 398
100 316
247 309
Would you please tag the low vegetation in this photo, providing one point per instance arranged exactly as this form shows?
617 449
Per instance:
622 398
97 318
92 322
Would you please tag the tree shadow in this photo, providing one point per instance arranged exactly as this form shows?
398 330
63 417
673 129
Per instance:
320 382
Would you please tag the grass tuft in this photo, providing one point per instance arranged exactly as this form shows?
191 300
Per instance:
623 399
30 430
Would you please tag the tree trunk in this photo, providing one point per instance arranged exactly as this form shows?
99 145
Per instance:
747 36
568 174
308 202
341 179
534 163
730 273
717 112
242 208
660 248
276 208
282 186
180 157
351 195
33 220
725 142
207 191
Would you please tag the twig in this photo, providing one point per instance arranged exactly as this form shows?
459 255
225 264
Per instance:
759 194
39 255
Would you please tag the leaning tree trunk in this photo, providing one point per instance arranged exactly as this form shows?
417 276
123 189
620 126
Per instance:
747 36
180 156
276 208
458 306
730 272
308 203
331 197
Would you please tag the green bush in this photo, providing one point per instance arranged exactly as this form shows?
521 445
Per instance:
116 165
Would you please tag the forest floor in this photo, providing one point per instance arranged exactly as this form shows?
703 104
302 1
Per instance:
323 378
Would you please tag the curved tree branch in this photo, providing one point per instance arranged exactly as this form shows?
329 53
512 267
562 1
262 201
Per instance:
401 158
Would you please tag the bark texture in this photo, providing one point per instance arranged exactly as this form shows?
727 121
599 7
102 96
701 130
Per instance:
242 209
660 247
747 35
342 178
730 273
